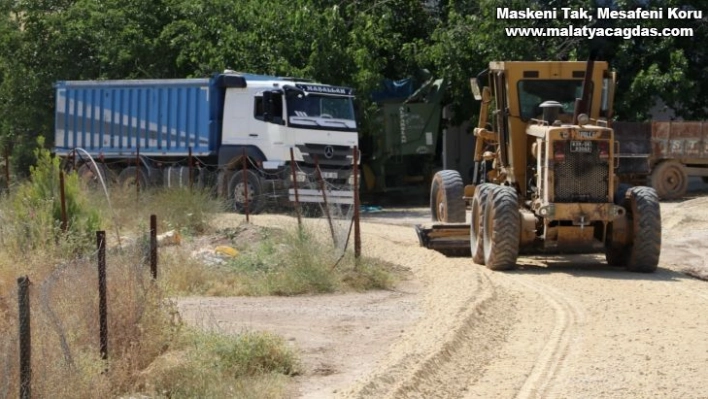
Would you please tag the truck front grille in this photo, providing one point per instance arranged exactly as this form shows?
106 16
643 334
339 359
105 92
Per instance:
581 177
335 157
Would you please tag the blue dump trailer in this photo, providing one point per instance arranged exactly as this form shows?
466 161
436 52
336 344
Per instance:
116 118
152 132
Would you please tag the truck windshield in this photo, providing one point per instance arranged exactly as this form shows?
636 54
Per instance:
326 112
533 92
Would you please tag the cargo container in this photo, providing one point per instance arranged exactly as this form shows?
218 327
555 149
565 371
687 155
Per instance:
233 132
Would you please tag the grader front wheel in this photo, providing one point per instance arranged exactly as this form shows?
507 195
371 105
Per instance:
502 228
479 202
446 202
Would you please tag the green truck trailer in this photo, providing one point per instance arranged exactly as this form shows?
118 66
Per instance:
402 149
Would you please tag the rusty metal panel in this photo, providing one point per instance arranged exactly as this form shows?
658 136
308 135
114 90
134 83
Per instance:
678 139
660 139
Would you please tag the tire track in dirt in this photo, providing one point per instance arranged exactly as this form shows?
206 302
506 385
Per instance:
558 345
484 325
460 334
447 373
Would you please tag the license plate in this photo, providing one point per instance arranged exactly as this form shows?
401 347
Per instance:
581 146
329 175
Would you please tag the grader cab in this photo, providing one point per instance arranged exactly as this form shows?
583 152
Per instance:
544 176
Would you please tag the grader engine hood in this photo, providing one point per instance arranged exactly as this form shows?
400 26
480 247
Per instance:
574 163
574 183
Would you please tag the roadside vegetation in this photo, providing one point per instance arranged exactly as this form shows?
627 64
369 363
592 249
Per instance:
273 261
150 350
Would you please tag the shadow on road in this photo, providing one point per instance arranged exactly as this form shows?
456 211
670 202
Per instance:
588 265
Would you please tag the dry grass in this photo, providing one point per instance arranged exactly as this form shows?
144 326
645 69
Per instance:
149 350
143 326
273 262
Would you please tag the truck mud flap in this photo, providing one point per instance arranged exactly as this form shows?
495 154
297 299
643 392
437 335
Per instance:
450 239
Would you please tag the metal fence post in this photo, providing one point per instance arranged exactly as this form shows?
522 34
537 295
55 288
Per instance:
102 304
245 183
23 300
190 169
357 231
62 196
137 170
297 197
324 198
153 246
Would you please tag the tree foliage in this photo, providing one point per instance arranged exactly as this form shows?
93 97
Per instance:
345 42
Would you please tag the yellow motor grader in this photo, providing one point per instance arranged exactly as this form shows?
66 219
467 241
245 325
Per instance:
544 175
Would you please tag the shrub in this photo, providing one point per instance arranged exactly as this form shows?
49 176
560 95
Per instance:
277 262
37 215
211 365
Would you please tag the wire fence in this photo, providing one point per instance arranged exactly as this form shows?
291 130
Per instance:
52 319
199 171
307 192
49 322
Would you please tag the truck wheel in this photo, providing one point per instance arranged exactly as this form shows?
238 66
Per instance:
502 228
129 178
237 192
669 179
446 203
643 254
93 175
479 202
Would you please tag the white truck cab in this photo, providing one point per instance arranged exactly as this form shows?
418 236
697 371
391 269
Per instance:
270 116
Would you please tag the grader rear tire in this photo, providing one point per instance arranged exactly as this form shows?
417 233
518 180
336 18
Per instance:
479 203
502 228
446 202
643 254
669 179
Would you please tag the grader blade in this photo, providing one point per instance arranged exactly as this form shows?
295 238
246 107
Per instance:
450 239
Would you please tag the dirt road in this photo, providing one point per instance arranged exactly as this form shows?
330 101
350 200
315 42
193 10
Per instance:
555 328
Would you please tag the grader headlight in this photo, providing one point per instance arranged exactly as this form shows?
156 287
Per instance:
603 148
559 151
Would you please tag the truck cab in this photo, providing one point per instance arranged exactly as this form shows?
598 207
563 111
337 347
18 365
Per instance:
267 116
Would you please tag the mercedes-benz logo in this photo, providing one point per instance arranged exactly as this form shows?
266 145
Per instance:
329 152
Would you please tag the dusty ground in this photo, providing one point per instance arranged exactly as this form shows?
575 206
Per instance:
554 328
